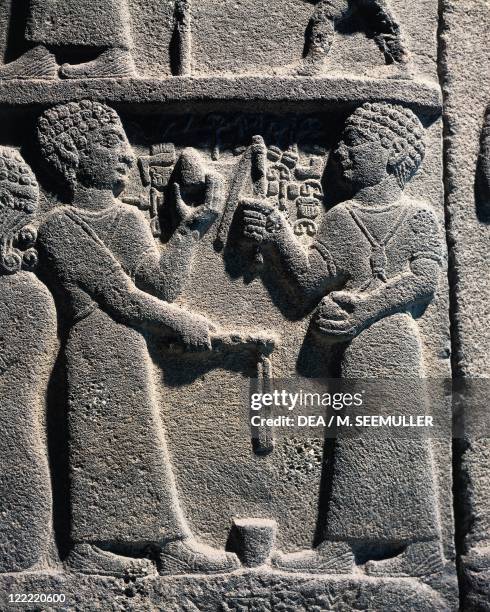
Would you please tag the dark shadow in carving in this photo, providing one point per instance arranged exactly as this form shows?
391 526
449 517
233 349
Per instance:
373 17
16 45
482 176
57 427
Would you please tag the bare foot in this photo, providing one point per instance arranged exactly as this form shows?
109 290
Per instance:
37 63
111 64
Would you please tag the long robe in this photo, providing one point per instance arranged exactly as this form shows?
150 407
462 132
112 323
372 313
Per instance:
79 23
28 324
122 487
383 488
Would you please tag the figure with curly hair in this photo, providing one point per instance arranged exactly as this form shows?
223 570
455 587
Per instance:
98 28
28 337
114 285
374 268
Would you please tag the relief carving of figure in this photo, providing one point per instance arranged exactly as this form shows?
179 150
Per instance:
374 267
114 285
28 335
98 28
328 15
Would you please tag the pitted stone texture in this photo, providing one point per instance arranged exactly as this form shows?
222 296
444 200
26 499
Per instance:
466 83
28 324
246 590
158 441
207 37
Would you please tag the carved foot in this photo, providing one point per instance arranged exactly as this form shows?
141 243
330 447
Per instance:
189 557
88 559
328 558
112 63
418 559
37 63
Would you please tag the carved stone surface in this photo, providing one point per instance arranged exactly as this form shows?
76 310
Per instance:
467 92
197 201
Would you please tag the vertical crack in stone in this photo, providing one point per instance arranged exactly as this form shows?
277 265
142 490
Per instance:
459 446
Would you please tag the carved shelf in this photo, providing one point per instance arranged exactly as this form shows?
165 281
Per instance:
245 92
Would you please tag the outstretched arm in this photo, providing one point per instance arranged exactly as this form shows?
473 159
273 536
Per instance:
312 270
81 261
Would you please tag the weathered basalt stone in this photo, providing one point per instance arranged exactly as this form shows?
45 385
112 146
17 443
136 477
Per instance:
213 197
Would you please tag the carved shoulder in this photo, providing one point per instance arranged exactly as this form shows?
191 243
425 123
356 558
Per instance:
427 235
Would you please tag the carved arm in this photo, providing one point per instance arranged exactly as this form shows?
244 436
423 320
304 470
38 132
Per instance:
312 270
343 314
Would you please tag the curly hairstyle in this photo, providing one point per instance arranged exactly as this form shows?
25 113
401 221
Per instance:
398 129
19 197
62 133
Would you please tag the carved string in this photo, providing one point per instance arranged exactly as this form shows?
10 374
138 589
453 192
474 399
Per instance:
378 257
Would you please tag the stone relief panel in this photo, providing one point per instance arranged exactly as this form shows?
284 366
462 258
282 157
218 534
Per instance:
373 38
178 249
192 209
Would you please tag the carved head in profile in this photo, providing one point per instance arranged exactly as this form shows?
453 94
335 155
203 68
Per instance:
379 140
85 143
19 196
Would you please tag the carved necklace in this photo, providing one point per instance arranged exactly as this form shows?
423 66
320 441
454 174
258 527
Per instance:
378 259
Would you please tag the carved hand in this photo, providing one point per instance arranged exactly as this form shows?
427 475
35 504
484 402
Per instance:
194 333
261 222
201 218
342 315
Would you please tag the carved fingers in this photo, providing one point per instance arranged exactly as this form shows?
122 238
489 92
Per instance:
201 217
260 221
184 212
204 216
347 300
340 316
214 199
254 223
196 334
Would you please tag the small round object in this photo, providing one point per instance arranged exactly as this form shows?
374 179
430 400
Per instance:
27 236
30 259
12 262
